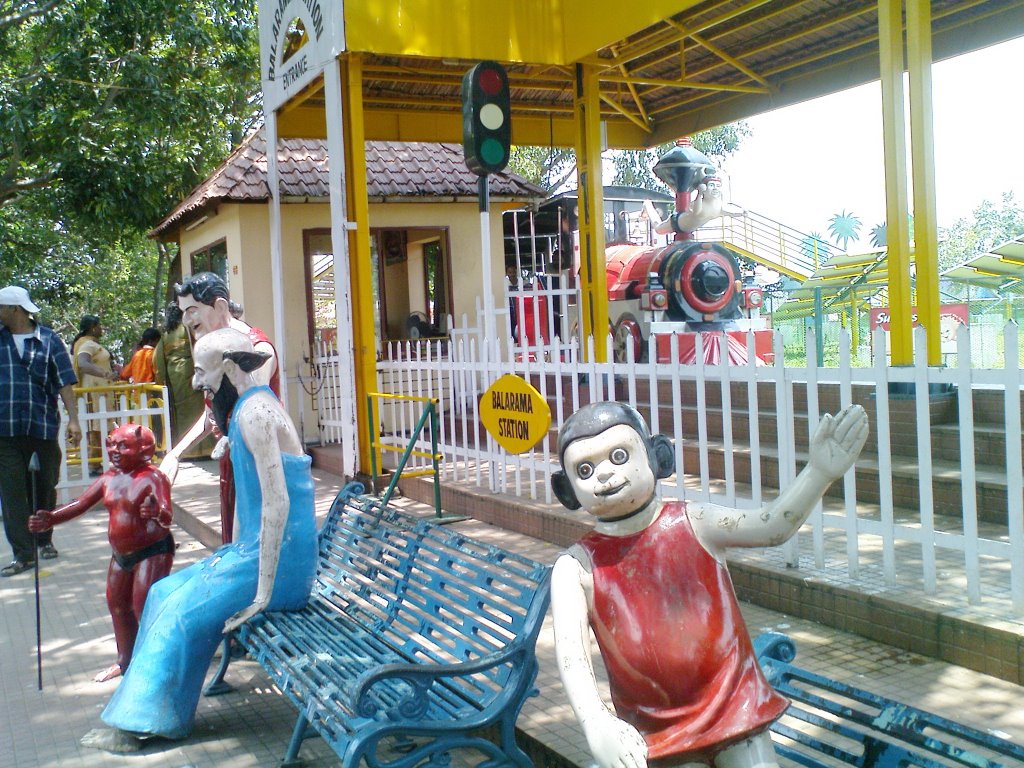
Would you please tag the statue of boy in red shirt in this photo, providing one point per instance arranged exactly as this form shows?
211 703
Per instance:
651 582
138 497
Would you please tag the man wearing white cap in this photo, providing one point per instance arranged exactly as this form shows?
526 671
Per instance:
35 368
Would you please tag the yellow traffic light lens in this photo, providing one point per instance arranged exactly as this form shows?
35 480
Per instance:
491 116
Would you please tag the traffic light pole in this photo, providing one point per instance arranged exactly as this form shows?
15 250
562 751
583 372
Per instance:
490 332
486 142
490 345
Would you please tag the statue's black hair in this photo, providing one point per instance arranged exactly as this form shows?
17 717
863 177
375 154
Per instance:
247 361
204 287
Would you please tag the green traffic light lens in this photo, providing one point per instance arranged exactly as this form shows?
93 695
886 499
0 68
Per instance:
492 152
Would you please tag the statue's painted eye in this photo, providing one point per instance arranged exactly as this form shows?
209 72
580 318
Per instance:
619 456
584 470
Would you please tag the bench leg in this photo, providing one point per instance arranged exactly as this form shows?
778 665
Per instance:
291 758
217 686
510 747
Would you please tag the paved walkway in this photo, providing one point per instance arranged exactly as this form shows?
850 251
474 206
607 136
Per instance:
251 726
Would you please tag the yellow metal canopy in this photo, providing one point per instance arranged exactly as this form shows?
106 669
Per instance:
666 68
842 278
1000 269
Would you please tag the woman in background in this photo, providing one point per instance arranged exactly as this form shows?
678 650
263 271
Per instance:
172 362
92 365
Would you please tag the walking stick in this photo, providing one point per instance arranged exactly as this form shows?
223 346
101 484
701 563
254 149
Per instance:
33 469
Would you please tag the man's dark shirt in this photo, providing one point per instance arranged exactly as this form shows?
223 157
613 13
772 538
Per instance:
29 385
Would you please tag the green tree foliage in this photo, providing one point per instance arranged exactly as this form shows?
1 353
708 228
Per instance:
110 112
991 225
844 227
68 275
123 103
633 167
551 167
548 167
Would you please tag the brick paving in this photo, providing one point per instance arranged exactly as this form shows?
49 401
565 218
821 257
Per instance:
251 725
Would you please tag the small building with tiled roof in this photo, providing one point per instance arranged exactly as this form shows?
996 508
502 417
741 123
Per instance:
424 224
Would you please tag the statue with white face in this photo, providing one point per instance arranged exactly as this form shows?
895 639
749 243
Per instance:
270 566
651 582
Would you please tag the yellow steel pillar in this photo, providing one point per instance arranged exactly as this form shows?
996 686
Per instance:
361 264
890 45
593 281
854 322
922 147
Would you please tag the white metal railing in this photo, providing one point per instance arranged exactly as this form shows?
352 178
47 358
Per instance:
101 409
770 243
328 386
916 543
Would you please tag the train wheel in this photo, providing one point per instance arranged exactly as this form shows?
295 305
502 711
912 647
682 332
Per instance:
627 334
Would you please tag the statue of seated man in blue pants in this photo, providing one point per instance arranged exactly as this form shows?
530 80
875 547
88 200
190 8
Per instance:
270 566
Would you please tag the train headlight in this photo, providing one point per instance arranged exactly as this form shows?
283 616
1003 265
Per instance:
753 298
707 280
654 300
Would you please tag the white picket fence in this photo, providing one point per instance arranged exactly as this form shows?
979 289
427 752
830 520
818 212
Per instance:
100 409
900 538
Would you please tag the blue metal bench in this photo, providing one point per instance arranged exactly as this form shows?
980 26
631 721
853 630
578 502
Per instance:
835 724
417 640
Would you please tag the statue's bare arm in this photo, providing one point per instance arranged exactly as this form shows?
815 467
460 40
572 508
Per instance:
613 742
268 433
834 448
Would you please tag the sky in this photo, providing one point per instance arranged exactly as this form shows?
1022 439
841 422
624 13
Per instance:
805 163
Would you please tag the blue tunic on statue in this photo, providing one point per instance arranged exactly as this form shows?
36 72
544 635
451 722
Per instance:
184 617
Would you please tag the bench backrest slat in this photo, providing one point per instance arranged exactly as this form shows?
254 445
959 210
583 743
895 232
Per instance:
426 590
856 727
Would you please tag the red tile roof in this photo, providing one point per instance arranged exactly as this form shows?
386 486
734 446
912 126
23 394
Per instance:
394 170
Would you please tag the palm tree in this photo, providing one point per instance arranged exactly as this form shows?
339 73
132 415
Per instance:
815 249
844 228
879 235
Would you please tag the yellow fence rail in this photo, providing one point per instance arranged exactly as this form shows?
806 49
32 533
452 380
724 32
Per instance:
378 446
101 409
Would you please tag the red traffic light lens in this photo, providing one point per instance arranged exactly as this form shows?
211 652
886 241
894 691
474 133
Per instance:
489 81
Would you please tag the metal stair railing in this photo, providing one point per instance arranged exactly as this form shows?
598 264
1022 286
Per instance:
429 415
768 242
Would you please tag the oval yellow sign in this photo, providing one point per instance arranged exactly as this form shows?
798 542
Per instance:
515 414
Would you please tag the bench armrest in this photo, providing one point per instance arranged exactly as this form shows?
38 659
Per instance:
421 677
774 646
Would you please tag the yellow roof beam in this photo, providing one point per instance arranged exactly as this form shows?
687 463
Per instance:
637 119
695 85
636 96
547 31
591 25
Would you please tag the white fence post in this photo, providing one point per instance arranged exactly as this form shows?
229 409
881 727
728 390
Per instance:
851 532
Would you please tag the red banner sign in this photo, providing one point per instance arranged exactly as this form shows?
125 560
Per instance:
951 317
947 313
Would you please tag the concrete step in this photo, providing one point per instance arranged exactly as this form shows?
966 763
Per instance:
990 486
987 639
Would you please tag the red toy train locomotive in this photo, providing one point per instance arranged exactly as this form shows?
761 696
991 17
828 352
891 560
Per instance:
687 288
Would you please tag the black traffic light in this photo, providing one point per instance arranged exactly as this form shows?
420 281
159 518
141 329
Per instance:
486 121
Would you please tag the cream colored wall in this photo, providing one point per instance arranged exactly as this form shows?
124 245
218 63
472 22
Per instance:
246 231
463 223
223 225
